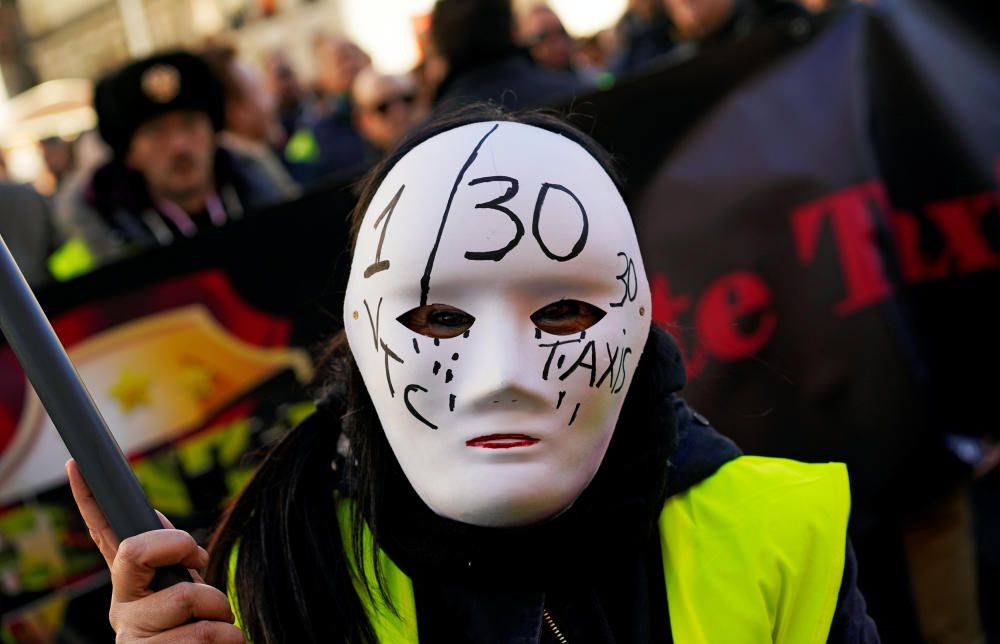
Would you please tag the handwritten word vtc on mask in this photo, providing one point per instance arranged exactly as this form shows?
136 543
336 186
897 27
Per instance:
497 307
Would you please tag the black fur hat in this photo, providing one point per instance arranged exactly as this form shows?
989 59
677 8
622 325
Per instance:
147 88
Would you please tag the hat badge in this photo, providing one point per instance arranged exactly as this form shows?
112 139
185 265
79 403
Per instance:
161 83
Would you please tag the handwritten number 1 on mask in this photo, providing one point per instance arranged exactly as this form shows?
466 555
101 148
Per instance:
383 264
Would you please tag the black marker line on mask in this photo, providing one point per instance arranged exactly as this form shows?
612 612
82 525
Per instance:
415 347
613 360
622 374
383 264
495 204
629 280
554 345
425 281
536 223
591 366
389 353
573 417
409 406
374 324
562 394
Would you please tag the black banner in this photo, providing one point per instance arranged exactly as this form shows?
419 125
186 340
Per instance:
818 210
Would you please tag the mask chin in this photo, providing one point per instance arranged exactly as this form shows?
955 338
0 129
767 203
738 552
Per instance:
512 511
518 495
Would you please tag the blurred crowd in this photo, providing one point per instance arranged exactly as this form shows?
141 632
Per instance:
188 141
192 140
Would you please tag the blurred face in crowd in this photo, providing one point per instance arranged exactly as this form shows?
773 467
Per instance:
251 112
646 9
593 52
697 18
58 156
496 308
545 37
815 5
282 82
385 106
175 152
338 62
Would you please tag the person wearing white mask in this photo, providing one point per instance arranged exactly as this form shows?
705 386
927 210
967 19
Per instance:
501 456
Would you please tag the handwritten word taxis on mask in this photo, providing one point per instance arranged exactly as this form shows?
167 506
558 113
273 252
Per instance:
497 307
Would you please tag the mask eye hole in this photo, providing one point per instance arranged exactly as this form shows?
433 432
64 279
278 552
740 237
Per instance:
566 317
437 321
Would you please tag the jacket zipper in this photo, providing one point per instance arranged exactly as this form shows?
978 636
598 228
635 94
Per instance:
552 626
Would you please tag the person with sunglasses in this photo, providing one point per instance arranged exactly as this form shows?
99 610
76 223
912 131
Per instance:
386 107
546 39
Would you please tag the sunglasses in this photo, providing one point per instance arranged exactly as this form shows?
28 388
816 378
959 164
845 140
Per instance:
542 36
383 106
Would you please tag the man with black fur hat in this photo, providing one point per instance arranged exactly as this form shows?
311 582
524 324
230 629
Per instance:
168 178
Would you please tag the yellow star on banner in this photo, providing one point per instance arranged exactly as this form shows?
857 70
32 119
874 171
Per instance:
198 380
131 390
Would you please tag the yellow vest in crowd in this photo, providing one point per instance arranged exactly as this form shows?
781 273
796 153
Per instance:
754 553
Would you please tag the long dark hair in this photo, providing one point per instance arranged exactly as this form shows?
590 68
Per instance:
292 579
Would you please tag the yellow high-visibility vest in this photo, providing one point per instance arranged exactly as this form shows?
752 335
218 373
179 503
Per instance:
754 553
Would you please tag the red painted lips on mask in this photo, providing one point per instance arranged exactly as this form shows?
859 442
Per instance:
502 441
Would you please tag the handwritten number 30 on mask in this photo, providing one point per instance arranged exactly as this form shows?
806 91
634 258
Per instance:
497 204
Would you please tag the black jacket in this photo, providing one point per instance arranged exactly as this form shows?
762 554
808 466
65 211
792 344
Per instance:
513 81
115 215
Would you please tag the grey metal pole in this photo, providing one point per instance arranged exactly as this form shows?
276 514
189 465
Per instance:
73 412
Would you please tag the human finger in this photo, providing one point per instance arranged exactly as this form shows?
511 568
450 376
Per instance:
138 558
203 631
170 608
93 516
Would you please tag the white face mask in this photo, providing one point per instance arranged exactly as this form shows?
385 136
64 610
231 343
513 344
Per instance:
497 307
